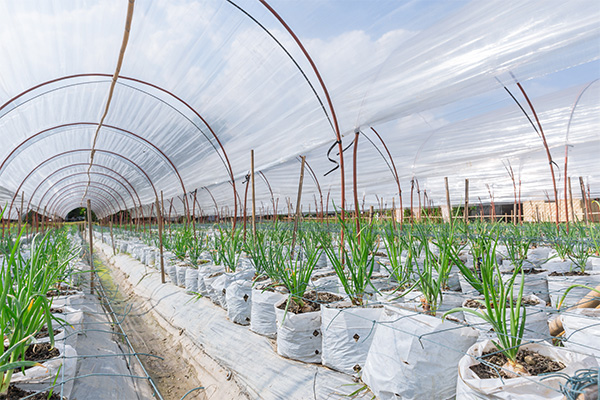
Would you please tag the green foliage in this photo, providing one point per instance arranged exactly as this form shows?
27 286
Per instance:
24 306
229 245
503 311
355 261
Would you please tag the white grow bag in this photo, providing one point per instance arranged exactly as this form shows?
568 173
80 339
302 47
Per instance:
191 280
557 285
347 336
181 273
47 372
204 272
582 331
262 314
536 284
536 322
239 302
218 288
470 386
298 335
414 356
171 271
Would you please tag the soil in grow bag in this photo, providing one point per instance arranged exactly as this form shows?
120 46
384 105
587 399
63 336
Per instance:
471 303
312 302
570 273
43 333
39 352
15 393
526 271
58 292
533 362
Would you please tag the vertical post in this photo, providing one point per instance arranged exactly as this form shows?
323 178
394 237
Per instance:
355 183
44 220
466 201
520 206
112 238
394 212
246 205
21 213
253 194
371 211
583 197
448 200
89 221
160 237
590 205
571 201
194 216
412 189
298 207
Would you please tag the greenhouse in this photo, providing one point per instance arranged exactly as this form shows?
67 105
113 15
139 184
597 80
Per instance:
318 199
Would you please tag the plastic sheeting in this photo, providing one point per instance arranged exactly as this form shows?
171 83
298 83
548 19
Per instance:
204 82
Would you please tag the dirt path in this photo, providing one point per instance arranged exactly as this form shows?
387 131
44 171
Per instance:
172 375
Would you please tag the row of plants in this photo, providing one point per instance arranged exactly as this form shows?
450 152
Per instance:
26 298
418 259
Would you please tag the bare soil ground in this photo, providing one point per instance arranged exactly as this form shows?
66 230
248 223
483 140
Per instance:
173 376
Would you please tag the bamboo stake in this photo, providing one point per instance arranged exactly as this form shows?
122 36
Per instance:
298 206
254 193
44 220
394 212
112 237
355 185
448 200
589 204
571 201
466 215
21 213
412 189
89 220
583 197
159 212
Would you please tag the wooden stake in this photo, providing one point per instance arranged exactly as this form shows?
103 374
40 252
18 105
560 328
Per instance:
448 200
466 201
589 204
394 212
571 201
253 193
89 220
583 197
21 213
355 185
159 218
298 207
112 238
